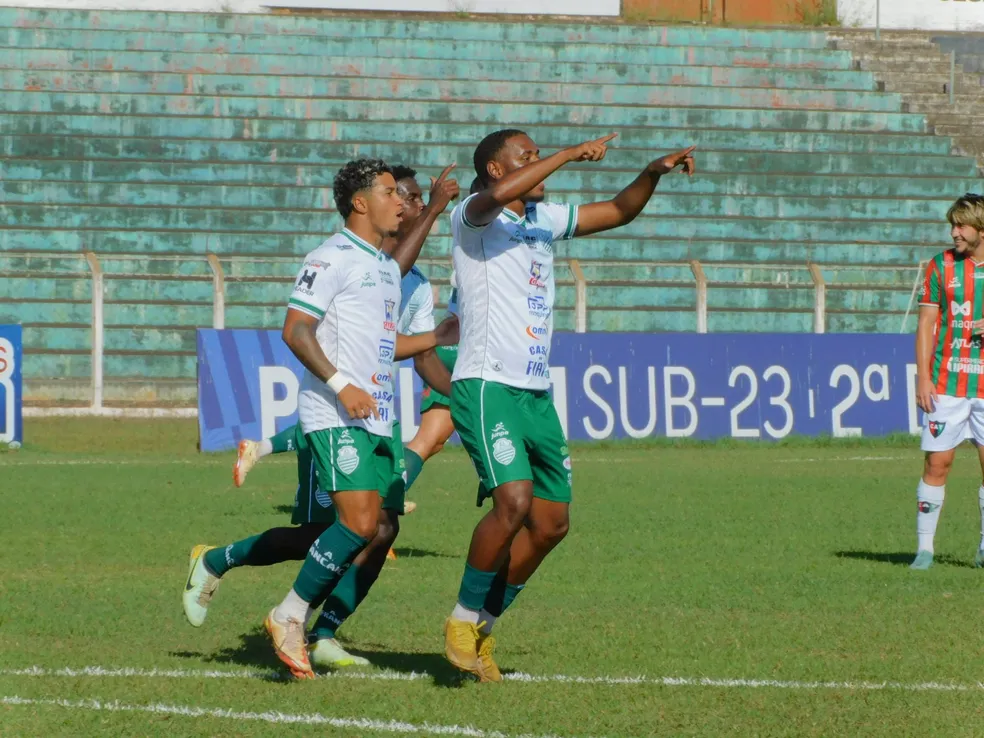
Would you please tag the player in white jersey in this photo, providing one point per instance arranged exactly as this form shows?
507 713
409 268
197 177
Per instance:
503 251
341 325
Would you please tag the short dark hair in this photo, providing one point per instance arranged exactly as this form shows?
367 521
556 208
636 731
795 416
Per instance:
355 177
402 171
489 148
476 186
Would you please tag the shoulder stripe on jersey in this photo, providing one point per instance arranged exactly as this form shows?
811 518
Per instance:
305 308
571 222
512 216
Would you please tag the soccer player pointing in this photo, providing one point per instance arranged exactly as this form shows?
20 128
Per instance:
949 365
503 252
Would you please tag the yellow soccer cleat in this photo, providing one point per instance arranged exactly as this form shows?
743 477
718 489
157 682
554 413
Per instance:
329 653
199 587
409 506
486 649
461 646
290 644
245 460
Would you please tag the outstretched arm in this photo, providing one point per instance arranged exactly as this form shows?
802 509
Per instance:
627 204
486 205
443 191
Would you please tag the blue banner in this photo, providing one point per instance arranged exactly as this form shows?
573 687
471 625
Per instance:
11 424
620 385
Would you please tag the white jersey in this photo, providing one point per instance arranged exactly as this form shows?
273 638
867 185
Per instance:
354 291
417 307
504 273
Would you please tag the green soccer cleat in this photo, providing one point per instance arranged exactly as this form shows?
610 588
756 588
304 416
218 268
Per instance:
200 587
328 652
923 560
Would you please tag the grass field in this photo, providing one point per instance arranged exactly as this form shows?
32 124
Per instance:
702 591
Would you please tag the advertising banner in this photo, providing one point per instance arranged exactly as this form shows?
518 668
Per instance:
11 424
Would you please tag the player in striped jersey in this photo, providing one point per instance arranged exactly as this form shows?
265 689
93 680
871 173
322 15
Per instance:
950 365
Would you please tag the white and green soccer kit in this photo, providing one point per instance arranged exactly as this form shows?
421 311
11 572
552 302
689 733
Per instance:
500 403
353 289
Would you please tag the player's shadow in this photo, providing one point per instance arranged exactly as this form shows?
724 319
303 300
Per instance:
285 509
902 558
421 553
254 651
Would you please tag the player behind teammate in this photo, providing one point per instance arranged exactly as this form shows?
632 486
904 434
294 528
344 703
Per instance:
949 366
342 326
312 511
435 407
503 249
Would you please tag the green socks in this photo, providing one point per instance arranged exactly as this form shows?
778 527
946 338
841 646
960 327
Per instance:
221 560
501 594
327 562
475 586
414 465
341 603
284 441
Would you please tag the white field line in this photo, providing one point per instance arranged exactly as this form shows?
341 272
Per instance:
665 681
381 726
915 455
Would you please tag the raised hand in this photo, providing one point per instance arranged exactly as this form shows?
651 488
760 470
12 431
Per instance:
443 190
670 162
358 403
591 150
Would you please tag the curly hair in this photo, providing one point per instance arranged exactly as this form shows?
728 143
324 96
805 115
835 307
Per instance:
353 178
402 171
489 148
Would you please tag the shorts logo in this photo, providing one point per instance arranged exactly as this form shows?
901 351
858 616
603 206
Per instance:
567 463
503 451
499 431
345 438
323 498
936 428
348 459
927 507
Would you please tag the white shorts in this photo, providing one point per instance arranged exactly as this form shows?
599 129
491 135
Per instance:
954 420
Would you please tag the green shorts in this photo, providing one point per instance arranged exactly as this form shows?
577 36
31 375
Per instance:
347 459
431 398
512 434
311 503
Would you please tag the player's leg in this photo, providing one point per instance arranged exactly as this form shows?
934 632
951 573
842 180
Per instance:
944 430
488 419
352 588
436 426
347 465
249 452
312 513
545 526
977 434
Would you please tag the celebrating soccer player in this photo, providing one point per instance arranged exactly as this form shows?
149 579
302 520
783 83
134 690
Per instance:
503 252
949 365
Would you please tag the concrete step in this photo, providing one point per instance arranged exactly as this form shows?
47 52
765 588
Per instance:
889 49
880 66
932 83
914 60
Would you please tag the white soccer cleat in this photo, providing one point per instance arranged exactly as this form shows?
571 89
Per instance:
249 454
199 587
329 653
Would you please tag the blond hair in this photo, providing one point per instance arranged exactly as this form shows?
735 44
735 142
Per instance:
967 211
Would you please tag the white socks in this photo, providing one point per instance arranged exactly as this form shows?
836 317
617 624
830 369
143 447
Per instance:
461 612
929 502
266 448
488 620
293 608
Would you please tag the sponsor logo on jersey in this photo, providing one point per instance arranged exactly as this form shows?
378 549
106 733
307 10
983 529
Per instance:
537 276
387 350
382 396
965 343
965 366
503 451
957 308
536 332
538 350
537 369
537 306
953 283
381 378
307 280
922 290
367 280
389 323
385 277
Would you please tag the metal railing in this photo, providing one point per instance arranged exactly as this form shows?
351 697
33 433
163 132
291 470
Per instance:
695 269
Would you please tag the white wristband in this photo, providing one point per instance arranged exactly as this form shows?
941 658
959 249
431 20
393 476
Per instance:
337 382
